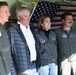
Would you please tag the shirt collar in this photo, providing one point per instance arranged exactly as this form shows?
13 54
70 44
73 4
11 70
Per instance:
22 25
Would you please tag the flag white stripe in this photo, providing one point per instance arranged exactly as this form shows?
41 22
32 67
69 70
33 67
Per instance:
56 22
55 27
68 8
59 13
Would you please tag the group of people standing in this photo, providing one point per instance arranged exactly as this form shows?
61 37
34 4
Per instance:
24 51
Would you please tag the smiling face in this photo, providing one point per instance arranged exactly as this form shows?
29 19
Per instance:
4 14
24 17
46 24
68 21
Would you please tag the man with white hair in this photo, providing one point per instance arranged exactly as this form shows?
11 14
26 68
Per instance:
24 44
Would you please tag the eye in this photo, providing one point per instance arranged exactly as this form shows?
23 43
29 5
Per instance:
24 16
6 11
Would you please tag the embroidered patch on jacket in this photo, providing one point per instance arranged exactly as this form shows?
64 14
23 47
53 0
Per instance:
0 34
53 38
42 40
64 35
72 35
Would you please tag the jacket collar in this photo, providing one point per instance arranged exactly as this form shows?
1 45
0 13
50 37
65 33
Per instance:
62 28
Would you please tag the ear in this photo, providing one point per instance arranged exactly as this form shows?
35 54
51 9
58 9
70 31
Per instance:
62 21
18 17
41 24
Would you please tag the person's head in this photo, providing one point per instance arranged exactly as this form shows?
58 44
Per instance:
67 19
44 22
23 15
4 12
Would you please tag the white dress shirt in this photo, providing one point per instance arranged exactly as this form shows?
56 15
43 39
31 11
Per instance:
30 41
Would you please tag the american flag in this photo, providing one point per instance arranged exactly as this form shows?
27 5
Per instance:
54 10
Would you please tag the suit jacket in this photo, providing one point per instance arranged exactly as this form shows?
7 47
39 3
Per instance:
19 49
5 56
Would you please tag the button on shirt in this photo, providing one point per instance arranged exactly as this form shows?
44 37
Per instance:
30 41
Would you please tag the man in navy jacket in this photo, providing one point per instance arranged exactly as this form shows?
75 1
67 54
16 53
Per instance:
24 45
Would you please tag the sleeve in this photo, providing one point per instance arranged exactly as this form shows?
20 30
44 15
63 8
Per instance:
13 64
13 69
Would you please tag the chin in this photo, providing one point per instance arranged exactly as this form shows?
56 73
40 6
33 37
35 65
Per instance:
70 26
7 20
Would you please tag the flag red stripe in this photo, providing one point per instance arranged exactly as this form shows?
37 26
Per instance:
68 5
56 21
56 24
60 15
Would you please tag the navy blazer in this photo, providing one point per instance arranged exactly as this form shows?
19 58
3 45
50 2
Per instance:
19 49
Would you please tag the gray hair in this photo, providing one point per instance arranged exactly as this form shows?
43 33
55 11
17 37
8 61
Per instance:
19 9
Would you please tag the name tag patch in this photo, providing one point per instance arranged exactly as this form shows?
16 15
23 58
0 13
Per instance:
53 38
72 35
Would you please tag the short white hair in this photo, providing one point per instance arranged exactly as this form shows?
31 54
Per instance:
19 10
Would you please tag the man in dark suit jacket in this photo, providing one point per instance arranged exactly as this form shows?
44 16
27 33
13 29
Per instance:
24 45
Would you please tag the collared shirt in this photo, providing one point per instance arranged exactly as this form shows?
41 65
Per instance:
30 41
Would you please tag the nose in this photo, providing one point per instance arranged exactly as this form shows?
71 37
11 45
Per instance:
8 13
71 20
28 18
50 23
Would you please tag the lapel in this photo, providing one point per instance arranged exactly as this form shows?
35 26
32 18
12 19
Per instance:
22 36
17 26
